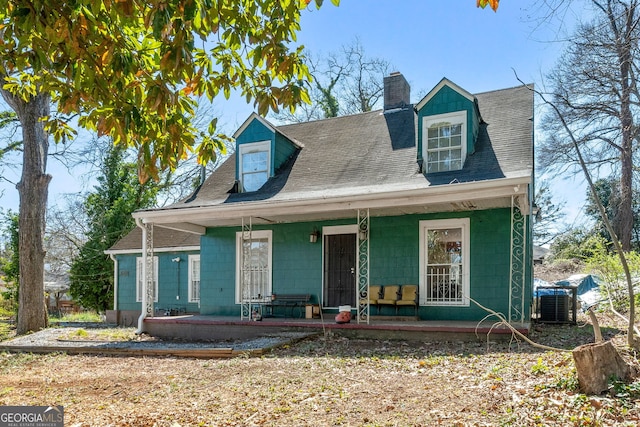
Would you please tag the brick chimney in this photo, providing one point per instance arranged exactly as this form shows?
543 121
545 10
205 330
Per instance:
396 91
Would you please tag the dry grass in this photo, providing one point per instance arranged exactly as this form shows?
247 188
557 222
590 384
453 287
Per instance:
328 381
101 334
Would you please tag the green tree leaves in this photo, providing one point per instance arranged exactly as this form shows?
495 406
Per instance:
129 69
108 211
10 258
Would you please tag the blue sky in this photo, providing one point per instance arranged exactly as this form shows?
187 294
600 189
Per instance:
476 48
425 40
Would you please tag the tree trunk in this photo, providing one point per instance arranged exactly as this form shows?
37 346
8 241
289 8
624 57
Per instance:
33 190
596 325
596 364
625 39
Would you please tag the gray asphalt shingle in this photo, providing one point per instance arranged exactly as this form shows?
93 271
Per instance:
346 154
162 238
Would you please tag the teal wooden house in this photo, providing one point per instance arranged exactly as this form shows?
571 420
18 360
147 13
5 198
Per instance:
436 195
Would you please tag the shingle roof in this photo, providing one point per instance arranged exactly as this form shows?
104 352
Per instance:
376 151
163 238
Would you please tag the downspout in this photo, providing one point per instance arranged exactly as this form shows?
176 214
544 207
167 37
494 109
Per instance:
115 280
143 311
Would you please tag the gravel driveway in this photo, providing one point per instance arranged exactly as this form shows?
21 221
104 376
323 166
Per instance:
77 339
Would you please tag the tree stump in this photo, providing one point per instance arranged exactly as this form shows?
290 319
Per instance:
596 364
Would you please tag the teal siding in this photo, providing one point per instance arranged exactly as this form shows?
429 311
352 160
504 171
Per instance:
296 261
284 149
255 132
297 265
217 272
447 100
127 282
173 281
394 259
281 148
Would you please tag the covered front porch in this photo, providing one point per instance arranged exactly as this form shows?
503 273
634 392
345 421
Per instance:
213 328
336 251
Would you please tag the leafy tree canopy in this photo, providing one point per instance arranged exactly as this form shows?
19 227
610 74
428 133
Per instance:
9 257
108 215
129 68
577 243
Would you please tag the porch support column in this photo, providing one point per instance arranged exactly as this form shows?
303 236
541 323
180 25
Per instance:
517 265
246 276
115 281
147 273
363 266
149 285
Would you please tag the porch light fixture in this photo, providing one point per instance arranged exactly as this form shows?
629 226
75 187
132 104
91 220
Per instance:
313 237
536 211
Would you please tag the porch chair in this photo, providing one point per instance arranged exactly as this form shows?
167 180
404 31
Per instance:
408 297
374 295
390 296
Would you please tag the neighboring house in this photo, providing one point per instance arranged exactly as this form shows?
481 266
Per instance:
176 269
56 288
539 254
435 194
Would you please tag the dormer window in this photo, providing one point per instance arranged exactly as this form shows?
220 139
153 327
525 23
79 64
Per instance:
254 165
445 139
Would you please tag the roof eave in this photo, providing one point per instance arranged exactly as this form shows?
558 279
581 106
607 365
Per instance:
451 193
156 250
444 82
268 125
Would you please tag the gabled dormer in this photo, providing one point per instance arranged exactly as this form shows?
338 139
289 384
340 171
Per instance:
448 124
260 151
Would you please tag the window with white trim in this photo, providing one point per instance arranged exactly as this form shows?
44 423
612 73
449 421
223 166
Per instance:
254 165
253 278
140 279
444 140
444 262
194 278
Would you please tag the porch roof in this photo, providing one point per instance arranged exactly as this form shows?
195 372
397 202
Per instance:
368 161
164 240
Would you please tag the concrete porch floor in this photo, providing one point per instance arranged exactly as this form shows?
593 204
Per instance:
200 327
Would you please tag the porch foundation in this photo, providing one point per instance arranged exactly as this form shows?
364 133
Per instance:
212 328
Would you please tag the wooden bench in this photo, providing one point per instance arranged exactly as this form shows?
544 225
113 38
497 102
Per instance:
290 301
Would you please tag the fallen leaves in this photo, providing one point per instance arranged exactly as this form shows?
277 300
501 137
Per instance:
326 381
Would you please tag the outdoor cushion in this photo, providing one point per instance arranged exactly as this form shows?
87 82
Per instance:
408 298
374 295
408 295
390 295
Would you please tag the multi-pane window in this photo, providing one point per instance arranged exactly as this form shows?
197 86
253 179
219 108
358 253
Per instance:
194 278
140 279
444 269
445 137
253 266
254 165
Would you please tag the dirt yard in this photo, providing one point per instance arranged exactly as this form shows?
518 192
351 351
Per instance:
330 381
